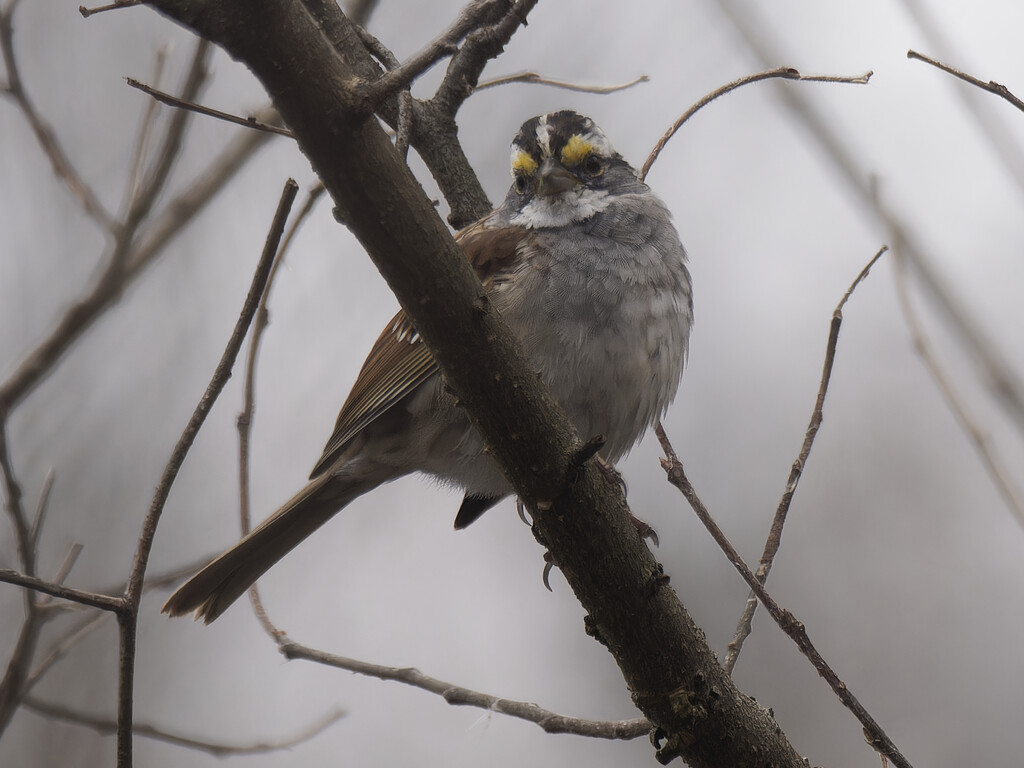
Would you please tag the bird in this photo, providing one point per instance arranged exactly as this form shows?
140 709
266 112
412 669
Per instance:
583 262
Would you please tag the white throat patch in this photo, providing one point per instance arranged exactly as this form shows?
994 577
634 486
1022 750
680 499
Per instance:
569 207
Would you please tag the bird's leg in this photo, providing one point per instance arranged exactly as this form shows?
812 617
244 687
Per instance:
614 476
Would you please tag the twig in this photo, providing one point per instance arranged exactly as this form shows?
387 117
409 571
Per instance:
24 647
145 130
81 596
991 86
774 540
191 106
998 375
128 617
167 153
244 421
536 79
41 508
480 46
456 695
108 727
87 12
990 460
70 558
786 621
80 316
1002 138
785 73
63 169
81 630
121 264
72 638
403 132
473 18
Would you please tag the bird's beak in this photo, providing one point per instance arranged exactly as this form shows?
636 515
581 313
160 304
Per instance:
553 179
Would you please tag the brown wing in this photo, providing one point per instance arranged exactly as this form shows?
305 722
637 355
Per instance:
400 361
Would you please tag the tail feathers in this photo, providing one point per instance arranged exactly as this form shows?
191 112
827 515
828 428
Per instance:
211 591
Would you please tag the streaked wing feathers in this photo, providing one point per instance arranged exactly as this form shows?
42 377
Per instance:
400 361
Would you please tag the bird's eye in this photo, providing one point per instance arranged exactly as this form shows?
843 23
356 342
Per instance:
593 166
521 183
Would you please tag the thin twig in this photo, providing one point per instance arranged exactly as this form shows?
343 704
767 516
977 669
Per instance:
80 316
245 418
785 73
456 695
79 631
167 153
1001 136
18 664
474 17
191 106
990 460
109 727
996 373
62 166
87 12
145 130
70 558
534 78
42 507
774 541
72 638
786 621
991 86
128 618
81 596
122 263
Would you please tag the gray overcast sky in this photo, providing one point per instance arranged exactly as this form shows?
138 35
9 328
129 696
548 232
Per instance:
899 555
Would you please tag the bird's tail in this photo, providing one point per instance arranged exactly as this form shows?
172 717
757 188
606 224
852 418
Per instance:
211 591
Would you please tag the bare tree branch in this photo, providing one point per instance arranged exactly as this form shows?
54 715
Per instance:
199 109
456 695
145 131
787 622
991 86
245 418
44 504
109 288
18 663
128 618
774 541
534 78
91 599
997 471
474 17
87 12
109 727
481 45
1002 138
785 73
996 372
63 168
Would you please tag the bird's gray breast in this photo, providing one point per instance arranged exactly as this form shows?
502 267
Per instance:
604 308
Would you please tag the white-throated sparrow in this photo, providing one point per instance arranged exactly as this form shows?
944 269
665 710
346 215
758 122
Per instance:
584 264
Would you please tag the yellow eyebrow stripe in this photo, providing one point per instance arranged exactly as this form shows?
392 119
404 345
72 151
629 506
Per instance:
576 151
523 163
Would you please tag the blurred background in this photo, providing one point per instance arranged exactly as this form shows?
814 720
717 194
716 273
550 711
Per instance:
900 555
